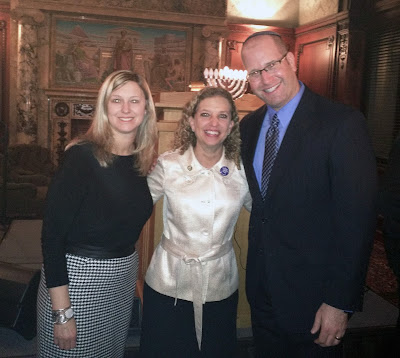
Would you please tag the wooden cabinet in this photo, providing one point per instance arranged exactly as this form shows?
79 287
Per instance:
315 55
330 57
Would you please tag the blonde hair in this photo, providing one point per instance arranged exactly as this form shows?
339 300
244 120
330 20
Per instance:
100 133
184 136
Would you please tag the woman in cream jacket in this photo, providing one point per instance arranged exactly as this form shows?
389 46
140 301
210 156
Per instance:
191 289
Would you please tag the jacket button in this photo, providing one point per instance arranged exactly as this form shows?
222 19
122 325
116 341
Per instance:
260 251
264 221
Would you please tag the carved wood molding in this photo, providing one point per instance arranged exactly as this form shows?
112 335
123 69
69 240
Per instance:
343 42
343 49
214 32
129 10
61 141
28 16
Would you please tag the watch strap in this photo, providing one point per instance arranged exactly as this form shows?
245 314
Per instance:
63 315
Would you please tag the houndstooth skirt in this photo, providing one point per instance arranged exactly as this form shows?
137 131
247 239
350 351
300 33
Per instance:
101 293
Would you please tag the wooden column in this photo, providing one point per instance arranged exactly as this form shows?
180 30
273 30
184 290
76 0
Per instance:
350 62
27 74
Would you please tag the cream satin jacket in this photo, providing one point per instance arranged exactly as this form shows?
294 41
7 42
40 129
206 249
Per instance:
201 207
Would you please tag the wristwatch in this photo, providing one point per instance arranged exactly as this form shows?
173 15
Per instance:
62 316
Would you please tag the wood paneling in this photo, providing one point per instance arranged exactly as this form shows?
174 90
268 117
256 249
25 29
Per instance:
315 62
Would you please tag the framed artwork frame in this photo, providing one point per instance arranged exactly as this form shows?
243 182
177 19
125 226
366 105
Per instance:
83 52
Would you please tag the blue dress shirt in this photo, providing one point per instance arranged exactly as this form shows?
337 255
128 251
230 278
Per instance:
285 115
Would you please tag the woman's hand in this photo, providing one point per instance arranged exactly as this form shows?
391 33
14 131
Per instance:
153 165
65 335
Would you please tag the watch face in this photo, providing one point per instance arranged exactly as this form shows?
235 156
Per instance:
69 313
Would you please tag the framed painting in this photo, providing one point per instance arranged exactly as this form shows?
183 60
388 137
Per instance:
85 51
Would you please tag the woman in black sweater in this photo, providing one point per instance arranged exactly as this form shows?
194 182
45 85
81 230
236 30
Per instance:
97 205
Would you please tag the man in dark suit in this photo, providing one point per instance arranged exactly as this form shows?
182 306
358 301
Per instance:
313 215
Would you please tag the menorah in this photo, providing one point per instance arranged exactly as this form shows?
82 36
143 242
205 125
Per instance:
234 81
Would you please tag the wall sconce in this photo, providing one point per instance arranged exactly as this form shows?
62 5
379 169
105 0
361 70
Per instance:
234 81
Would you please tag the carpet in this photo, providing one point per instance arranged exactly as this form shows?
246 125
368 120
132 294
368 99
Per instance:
380 277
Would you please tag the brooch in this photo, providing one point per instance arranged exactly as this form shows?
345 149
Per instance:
224 171
189 167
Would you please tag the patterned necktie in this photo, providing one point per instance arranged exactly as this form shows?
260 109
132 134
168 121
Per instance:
271 149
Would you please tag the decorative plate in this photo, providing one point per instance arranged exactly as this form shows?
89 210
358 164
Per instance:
61 109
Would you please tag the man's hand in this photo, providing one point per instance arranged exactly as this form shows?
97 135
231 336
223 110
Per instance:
331 324
65 335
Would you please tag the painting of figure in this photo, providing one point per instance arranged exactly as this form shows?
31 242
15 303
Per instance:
85 65
86 52
123 52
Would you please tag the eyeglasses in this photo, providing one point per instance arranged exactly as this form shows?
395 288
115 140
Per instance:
271 67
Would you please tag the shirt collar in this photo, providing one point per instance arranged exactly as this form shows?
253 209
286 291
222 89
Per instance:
191 165
285 114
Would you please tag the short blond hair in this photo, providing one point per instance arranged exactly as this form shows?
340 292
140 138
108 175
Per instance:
184 136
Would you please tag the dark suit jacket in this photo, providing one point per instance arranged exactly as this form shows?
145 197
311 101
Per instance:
310 240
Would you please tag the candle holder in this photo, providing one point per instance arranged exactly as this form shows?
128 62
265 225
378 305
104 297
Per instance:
234 81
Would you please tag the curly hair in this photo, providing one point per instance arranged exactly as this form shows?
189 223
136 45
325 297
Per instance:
100 133
184 136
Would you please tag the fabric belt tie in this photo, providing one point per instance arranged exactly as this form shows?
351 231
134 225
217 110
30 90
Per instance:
196 263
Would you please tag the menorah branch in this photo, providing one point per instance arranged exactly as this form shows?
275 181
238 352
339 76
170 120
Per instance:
234 81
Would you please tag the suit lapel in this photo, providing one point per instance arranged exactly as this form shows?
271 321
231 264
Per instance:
291 143
251 144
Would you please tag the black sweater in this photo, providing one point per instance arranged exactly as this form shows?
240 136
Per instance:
92 206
